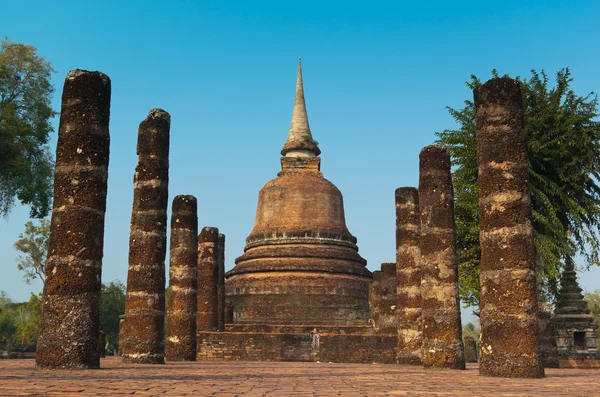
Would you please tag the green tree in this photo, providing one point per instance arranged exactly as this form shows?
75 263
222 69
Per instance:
112 305
563 147
8 318
33 247
593 301
25 159
28 324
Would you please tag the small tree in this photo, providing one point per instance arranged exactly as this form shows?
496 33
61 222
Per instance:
25 159
33 246
563 148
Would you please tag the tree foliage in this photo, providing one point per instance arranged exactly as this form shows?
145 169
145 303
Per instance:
20 322
25 159
563 148
33 248
112 305
593 301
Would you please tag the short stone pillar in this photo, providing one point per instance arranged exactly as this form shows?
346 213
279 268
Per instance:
102 344
208 271
442 330
145 299
121 322
183 280
408 276
221 284
70 322
508 301
382 300
547 337
470 349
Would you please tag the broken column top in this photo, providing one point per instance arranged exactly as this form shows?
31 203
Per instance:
499 91
208 234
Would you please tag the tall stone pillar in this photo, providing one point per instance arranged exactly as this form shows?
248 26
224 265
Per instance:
221 284
70 320
408 276
508 302
442 341
208 270
145 299
183 280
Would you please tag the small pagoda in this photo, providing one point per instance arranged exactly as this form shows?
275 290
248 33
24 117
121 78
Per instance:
574 326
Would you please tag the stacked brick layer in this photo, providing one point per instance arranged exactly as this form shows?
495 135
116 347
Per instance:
69 329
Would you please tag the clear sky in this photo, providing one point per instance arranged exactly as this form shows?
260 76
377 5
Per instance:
377 79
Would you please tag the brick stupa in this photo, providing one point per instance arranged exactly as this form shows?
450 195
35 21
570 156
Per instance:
300 264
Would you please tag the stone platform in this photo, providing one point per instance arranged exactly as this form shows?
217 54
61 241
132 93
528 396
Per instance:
301 343
228 378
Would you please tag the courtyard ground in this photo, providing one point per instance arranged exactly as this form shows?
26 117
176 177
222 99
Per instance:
227 378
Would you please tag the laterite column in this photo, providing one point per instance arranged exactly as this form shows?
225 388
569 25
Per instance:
208 270
442 341
408 276
70 322
510 342
221 283
183 280
145 299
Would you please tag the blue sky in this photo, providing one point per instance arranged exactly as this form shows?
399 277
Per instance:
377 77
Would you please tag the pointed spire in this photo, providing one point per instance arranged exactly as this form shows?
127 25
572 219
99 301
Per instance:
300 142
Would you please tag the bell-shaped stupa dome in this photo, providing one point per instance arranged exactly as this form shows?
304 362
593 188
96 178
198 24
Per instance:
300 264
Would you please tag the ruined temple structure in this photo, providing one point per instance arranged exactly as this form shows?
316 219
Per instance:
574 329
300 291
69 329
300 264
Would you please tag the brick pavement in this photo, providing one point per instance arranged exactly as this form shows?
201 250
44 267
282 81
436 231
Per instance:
222 378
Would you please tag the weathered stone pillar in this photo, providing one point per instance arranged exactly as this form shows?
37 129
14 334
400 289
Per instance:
408 276
70 320
382 300
208 269
441 324
221 283
183 280
145 300
508 302
121 337
470 349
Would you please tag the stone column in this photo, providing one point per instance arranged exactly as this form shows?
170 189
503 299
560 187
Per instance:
208 269
145 300
121 337
70 322
221 283
183 280
408 276
470 349
441 324
508 302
